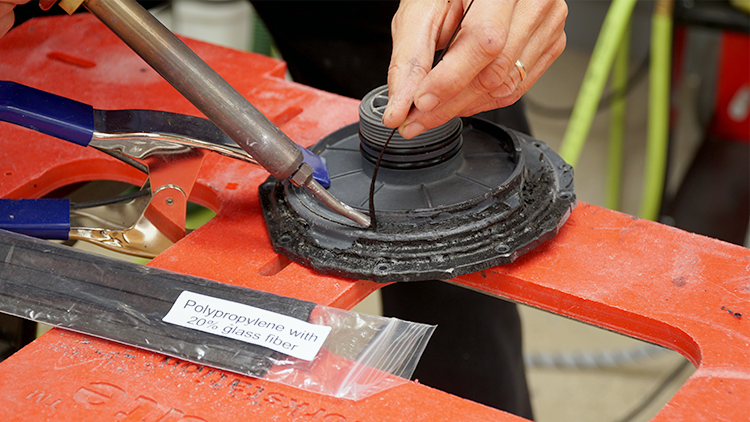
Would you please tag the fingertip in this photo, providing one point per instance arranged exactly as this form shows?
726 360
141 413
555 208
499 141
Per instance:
427 102
395 112
388 117
411 130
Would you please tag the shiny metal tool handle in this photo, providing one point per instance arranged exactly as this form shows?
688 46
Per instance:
212 95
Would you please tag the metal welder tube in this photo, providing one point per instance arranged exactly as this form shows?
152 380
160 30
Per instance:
321 193
206 90
200 84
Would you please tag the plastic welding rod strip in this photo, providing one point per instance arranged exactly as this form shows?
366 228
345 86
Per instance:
125 302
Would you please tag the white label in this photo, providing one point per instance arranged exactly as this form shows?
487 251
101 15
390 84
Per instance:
225 318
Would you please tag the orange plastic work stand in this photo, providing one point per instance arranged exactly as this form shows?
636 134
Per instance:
643 279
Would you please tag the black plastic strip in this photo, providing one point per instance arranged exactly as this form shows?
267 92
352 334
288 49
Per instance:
125 302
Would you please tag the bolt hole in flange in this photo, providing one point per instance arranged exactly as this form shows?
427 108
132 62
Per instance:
459 198
382 268
502 248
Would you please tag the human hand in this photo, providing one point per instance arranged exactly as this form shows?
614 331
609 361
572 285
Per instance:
478 72
6 14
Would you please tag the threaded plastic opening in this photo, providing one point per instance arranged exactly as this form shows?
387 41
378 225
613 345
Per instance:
430 148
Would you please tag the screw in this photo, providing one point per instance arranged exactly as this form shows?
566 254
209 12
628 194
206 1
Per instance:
169 201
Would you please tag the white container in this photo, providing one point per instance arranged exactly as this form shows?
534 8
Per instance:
222 22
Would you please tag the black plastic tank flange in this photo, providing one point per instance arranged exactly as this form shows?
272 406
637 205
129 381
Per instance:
461 198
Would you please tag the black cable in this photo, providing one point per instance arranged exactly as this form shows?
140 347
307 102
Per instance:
657 391
453 35
606 101
126 159
110 201
373 220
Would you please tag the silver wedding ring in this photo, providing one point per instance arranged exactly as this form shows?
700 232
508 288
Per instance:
521 69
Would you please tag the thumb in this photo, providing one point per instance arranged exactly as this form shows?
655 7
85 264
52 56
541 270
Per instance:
415 27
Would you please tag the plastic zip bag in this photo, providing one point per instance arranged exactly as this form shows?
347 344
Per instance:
363 355
127 303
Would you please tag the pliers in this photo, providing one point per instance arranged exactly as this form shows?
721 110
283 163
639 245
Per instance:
168 147
171 156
